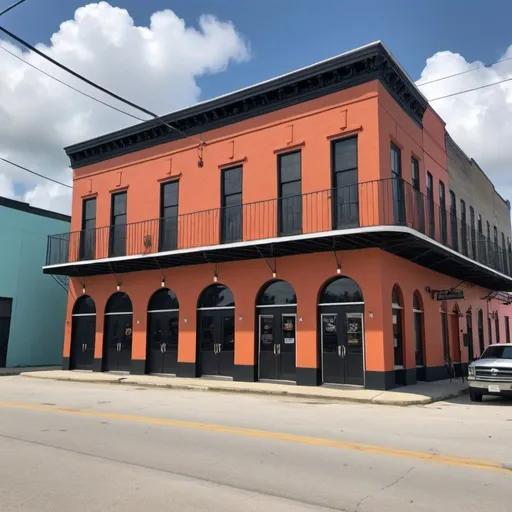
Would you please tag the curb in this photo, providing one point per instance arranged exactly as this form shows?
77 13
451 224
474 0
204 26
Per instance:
212 388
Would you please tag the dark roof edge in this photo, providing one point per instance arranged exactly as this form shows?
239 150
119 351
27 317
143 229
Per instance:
352 68
25 207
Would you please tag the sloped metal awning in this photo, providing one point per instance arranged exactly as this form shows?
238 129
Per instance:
399 240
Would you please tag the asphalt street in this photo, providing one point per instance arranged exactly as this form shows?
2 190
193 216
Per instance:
89 447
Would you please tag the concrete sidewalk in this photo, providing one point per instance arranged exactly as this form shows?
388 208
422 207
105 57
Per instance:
6 372
418 394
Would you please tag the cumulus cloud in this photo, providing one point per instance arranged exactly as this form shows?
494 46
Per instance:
156 66
479 121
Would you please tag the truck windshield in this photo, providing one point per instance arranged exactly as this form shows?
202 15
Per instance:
504 352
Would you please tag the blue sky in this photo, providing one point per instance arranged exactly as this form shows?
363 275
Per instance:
286 34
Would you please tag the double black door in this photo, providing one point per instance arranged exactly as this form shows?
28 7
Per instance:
118 342
217 342
277 343
83 336
342 342
163 342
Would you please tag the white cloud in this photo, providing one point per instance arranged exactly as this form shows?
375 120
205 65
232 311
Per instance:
155 66
479 121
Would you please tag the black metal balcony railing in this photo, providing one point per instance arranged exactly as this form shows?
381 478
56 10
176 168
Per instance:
388 202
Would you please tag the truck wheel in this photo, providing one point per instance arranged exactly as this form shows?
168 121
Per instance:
474 395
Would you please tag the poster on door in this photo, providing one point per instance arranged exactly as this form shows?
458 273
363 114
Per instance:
354 331
288 330
266 335
329 324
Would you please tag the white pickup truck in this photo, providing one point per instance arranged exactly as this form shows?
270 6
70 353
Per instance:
491 373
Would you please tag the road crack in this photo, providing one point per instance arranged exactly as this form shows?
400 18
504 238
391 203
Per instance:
371 495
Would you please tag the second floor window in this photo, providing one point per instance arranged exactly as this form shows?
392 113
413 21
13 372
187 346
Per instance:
290 189
118 225
345 204
231 218
169 194
495 248
504 253
88 235
419 206
453 221
489 243
463 227
442 213
430 199
397 185
472 231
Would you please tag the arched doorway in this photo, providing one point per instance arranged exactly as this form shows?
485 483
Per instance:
397 304
216 326
162 335
480 322
469 328
276 310
341 314
83 334
419 346
117 344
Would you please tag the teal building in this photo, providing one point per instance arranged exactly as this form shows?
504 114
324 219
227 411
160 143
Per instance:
32 304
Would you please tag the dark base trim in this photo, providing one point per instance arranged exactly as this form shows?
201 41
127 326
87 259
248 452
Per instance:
308 376
244 373
421 374
410 376
97 366
433 373
188 370
380 380
138 367
66 363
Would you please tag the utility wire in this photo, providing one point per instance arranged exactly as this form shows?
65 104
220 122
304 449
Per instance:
6 10
464 72
96 86
470 90
35 173
70 86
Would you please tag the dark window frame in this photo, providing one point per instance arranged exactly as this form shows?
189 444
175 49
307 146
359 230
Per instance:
168 233
507 329
397 184
294 201
453 221
443 221
232 215
463 227
345 199
88 232
118 230
472 232
431 205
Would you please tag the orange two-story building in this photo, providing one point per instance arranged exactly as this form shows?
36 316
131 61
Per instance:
295 230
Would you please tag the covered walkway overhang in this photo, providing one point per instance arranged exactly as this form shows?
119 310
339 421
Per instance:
399 240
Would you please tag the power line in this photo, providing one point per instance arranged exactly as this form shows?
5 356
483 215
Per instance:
70 86
35 173
470 90
464 72
96 86
6 10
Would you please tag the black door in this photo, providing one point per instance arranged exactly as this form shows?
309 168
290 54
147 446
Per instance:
217 342
469 326
277 344
342 346
118 342
5 326
163 342
83 336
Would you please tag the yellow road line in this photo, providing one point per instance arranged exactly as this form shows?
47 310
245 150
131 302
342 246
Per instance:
437 458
